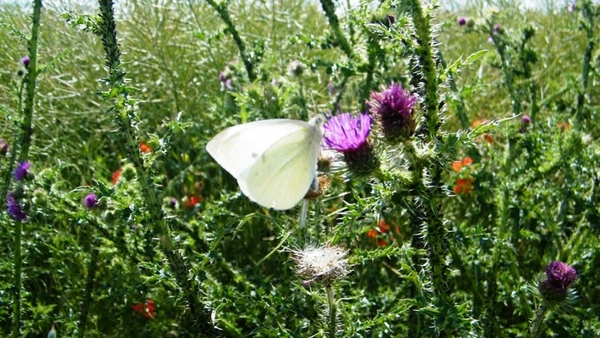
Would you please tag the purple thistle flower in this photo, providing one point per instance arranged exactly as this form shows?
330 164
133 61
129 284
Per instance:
22 170
571 6
393 108
90 201
348 135
14 209
561 274
559 277
3 147
25 61
461 20
345 133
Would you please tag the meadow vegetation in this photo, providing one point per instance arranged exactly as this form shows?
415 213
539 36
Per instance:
470 209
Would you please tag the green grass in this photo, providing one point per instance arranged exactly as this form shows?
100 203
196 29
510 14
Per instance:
533 199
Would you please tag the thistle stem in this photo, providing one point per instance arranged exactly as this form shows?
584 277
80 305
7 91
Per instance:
332 310
329 9
536 322
224 14
587 57
24 144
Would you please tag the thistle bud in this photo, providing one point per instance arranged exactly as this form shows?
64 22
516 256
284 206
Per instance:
393 109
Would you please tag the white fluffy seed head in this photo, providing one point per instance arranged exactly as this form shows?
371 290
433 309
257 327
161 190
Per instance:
324 264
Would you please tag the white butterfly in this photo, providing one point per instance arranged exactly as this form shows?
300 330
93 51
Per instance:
274 161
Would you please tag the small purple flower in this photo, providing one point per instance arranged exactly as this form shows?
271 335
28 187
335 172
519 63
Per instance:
331 88
525 122
490 39
348 135
15 210
225 78
25 61
393 108
498 29
461 20
571 6
3 147
22 170
90 201
561 274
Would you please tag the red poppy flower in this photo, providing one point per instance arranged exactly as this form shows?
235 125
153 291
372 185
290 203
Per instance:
382 243
463 185
116 175
146 309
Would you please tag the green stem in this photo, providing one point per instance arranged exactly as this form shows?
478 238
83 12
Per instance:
26 128
536 322
332 311
224 14
372 50
460 105
587 57
508 78
430 205
17 286
329 9
89 287
126 119
24 144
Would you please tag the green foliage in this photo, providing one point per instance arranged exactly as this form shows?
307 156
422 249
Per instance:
449 236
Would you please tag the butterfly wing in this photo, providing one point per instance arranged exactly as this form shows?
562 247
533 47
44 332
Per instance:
237 148
280 178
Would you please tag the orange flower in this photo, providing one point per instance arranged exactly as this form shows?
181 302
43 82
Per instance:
478 122
195 200
372 233
189 202
146 309
383 226
488 138
457 165
463 185
564 126
144 148
116 175
382 243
